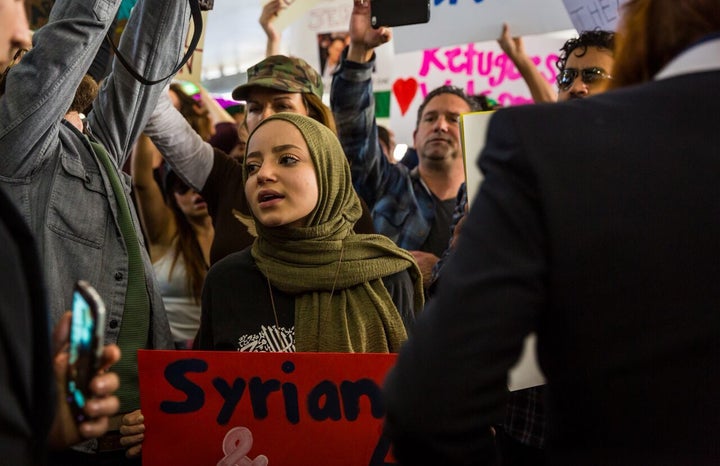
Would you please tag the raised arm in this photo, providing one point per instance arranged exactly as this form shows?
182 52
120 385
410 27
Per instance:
353 106
540 89
182 147
40 89
153 42
267 18
155 216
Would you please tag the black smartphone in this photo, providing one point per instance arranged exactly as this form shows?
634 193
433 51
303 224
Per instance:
86 344
399 12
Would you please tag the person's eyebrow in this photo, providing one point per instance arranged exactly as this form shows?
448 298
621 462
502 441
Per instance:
283 148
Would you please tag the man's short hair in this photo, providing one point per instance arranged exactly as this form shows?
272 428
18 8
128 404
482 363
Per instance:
85 95
445 90
596 38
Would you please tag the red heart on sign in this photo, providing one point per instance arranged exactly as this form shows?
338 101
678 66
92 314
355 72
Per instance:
405 90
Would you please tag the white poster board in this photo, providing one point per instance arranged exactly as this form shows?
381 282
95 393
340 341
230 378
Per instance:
311 38
526 373
292 12
587 15
477 68
461 21
473 131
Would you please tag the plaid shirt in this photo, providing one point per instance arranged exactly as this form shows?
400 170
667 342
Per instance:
401 205
458 213
525 416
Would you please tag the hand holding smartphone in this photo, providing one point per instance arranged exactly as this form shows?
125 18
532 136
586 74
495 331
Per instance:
86 345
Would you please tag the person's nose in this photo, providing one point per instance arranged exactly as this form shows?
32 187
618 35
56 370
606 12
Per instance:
265 173
578 88
441 124
267 112
21 37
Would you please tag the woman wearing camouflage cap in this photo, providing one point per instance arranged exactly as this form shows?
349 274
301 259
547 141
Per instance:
276 84
283 84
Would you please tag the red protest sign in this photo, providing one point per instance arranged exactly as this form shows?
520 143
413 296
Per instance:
227 408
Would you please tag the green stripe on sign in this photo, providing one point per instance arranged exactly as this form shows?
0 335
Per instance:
382 104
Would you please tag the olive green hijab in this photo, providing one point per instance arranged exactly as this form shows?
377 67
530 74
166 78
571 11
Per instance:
341 304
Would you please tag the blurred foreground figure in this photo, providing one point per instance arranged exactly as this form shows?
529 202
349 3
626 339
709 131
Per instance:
596 227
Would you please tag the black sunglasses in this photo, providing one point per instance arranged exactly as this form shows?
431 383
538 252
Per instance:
567 77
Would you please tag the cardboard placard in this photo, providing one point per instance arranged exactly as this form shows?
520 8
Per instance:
587 15
218 407
291 12
455 22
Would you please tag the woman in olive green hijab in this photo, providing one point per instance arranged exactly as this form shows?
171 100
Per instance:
308 283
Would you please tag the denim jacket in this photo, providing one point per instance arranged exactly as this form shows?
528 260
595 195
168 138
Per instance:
402 206
47 166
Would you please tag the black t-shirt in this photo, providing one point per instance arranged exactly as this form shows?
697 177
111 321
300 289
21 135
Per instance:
237 311
439 236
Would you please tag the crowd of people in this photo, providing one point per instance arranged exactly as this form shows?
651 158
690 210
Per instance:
290 227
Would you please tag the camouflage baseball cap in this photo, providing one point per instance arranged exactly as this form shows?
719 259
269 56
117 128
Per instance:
287 74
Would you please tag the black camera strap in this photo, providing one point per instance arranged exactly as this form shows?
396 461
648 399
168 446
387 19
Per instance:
197 32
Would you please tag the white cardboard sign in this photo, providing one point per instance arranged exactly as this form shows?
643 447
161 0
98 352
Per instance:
587 15
455 22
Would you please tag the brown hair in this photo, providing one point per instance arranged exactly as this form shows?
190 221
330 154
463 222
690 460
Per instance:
187 243
318 111
84 95
653 32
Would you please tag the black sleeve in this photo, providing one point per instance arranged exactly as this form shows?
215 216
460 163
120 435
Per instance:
401 291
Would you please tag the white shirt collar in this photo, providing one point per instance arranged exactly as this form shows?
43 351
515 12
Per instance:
702 57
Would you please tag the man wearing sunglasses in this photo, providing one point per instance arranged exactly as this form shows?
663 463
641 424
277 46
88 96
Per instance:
585 64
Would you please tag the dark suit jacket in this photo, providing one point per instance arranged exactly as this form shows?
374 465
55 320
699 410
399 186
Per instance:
597 226
26 385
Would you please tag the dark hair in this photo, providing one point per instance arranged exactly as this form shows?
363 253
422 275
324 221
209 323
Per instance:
653 32
187 244
444 90
596 38
484 102
84 95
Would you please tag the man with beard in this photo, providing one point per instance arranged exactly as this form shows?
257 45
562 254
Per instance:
412 207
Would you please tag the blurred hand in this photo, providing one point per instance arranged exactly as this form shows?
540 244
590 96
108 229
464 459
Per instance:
512 46
426 261
132 431
102 404
363 37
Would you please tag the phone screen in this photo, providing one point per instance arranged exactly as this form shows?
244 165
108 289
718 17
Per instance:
85 344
